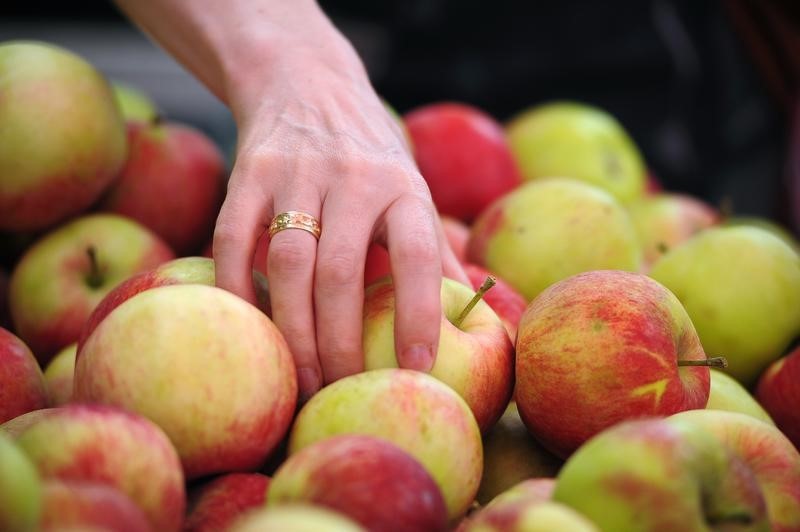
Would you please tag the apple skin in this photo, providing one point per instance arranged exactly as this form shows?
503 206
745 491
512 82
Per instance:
22 386
134 104
508 304
457 234
475 359
779 393
59 376
184 270
228 394
5 312
217 504
654 474
89 506
368 479
463 155
528 515
580 141
62 138
20 489
172 183
767 225
107 445
411 409
511 455
741 287
295 518
602 347
766 451
377 264
547 230
14 427
663 221
51 292
728 394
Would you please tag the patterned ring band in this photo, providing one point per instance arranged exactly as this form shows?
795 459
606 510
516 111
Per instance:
295 220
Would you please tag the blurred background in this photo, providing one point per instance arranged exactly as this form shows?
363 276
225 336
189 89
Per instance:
708 89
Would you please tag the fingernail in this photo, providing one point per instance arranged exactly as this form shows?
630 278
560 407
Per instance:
307 382
418 357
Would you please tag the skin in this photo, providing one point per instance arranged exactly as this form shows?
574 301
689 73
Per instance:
727 393
80 504
228 393
295 518
113 447
22 386
476 359
325 145
220 502
59 376
779 392
20 488
416 412
368 479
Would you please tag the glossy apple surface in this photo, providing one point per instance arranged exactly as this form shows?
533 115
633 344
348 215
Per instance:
779 393
22 386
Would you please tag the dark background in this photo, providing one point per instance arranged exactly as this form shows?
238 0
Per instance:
706 88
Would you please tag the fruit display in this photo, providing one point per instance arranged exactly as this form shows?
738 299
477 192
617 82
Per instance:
625 357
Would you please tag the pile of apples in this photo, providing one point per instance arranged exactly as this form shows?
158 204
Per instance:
633 367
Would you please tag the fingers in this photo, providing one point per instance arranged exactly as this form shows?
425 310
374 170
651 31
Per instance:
291 258
417 273
339 286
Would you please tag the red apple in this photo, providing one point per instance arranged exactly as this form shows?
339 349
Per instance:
365 478
602 347
377 264
94 443
59 376
172 183
70 505
778 392
217 504
63 135
22 387
206 366
63 276
463 155
507 303
457 233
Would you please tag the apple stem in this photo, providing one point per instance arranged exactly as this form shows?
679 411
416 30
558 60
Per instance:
487 284
95 278
715 362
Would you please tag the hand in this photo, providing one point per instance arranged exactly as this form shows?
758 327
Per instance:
314 137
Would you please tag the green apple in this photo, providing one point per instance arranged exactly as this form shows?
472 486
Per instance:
547 230
413 410
59 375
295 518
653 474
728 394
14 427
522 515
133 103
741 287
475 356
766 224
62 138
576 140
768 453
20 489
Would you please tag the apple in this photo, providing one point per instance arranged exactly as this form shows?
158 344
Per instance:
653 474
69 505
728 394
767 225
95 443
457 234
663 221
368 479
533 489
20 489
463 155
377 264
65 274
218 503
172 183
228 392
507 303
572 139
259 259
511 455
475 356
741 287
411 409
295 518
184 270
134 104
769 454
5 312
14 427
63 136
22 386
602 347
778 392
653 184
518 511
547 230
59 376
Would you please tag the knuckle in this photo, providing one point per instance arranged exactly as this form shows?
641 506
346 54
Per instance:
288 256
418 252
338 269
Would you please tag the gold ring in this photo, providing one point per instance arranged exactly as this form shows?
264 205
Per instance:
295 220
